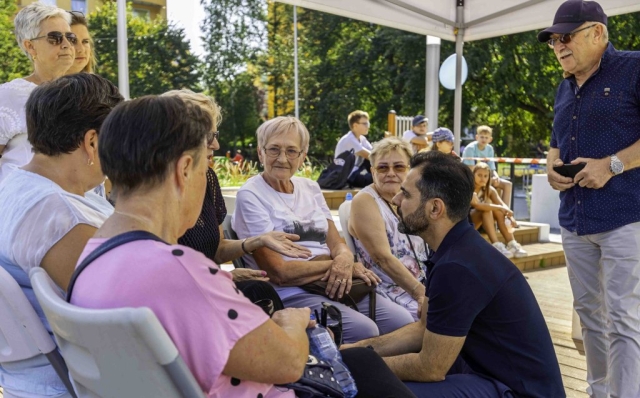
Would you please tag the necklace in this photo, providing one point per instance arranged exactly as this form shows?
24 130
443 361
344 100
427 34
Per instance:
295 197
392 207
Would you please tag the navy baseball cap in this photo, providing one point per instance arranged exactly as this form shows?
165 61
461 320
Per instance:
442 134
419 119
571 15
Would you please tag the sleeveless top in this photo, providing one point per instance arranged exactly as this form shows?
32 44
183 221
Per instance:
401 249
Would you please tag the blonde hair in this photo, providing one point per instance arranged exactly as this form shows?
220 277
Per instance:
207 103
28 20
484 129
355 116
482 166
388 145
282 125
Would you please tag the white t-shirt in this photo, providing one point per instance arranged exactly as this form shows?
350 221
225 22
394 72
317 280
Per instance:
408 136
13 125
348 142
261 209
35 213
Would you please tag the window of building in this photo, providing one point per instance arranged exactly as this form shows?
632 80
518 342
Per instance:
141 13
79 5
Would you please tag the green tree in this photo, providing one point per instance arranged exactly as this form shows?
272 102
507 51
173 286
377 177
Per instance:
233 34
159 55
13 63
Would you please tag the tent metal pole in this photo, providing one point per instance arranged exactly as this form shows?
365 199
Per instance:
123 56
295 60
432 85
457 108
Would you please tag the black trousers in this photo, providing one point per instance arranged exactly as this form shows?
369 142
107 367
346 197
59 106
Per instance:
373 377
361 177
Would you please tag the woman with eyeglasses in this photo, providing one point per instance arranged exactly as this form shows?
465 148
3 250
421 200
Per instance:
207 236
276 200
395 257
85 59
43 33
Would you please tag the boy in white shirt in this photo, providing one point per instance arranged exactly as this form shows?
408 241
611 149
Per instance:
356 139
481 148
418 136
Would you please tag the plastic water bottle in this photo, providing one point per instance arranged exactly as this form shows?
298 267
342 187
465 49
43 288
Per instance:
349 196
321 346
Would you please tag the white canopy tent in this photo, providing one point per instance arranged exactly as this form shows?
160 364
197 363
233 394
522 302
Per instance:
456 20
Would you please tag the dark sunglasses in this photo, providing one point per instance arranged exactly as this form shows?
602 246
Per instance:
398 168
55 38
212 136
566 38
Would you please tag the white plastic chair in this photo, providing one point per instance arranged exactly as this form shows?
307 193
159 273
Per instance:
229 233
121 352
343 212
22 334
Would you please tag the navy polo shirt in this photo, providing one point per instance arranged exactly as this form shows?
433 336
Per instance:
596 121
475 291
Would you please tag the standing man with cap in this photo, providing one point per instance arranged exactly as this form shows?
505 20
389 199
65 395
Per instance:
597 122
418 136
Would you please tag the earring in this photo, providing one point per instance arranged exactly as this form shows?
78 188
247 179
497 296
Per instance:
89 162
34 57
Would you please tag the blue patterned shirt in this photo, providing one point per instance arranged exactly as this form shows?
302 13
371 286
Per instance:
596 121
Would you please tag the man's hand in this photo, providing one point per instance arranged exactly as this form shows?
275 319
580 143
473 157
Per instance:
595 174
558 182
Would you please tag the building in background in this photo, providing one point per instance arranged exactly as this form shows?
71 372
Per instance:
151 9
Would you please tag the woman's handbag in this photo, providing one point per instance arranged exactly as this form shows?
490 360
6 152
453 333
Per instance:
317 381
359 290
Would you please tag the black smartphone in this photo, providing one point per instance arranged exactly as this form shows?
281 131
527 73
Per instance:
569 170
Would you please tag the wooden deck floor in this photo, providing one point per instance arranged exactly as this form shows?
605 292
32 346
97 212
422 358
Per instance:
551 288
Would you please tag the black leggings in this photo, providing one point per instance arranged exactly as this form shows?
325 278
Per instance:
373 377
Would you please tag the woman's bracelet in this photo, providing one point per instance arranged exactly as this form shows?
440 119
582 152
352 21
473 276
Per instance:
243 248
414 288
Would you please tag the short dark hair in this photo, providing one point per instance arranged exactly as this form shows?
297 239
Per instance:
142 138
60 112
443 176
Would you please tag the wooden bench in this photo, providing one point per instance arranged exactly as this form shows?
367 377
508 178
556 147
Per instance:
335 198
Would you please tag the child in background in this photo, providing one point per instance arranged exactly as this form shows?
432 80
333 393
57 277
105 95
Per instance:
443 141
481 148
487 208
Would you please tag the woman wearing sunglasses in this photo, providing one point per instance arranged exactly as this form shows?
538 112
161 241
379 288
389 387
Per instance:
43 33
395 257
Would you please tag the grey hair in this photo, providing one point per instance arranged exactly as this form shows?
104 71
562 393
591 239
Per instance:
28 20
282 125
388 145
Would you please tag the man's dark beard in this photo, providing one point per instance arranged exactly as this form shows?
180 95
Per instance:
414 223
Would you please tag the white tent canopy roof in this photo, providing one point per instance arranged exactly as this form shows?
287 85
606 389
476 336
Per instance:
482 18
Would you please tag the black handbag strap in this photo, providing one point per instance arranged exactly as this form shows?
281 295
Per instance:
110 244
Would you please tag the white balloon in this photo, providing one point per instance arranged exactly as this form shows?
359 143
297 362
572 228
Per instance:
448 72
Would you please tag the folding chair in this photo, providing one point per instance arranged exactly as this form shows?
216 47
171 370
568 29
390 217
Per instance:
22 334
343 212
229 233
121 352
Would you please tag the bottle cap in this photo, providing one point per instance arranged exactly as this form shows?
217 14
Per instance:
349 196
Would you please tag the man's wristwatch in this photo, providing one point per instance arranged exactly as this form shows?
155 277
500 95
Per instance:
616 166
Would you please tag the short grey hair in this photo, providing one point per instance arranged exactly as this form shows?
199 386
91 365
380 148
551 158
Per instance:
282 125
28 21
388 145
